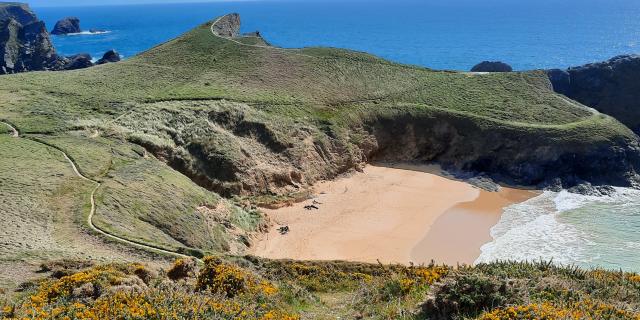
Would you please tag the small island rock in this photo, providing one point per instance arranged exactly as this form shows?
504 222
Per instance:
66 26
491 66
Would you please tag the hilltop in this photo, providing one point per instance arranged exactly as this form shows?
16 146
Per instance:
175 147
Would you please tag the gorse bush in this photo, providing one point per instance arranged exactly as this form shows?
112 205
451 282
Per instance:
121 292
258 289
181 269
466 294
576 311
229 280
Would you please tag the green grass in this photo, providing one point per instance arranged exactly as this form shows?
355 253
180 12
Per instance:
146 201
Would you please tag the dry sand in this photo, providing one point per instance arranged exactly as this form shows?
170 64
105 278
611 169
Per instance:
394 215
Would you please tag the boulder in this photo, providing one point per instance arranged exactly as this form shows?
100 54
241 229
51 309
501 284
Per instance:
491 66
109 56
78 61
66 26
611 87
24 41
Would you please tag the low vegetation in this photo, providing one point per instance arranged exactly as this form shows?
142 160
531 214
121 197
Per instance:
251 288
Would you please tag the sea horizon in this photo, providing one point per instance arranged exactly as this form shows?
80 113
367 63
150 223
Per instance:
452 36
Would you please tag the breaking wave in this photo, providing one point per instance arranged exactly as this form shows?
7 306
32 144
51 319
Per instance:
571 229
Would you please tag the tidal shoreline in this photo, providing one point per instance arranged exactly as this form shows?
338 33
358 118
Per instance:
392 214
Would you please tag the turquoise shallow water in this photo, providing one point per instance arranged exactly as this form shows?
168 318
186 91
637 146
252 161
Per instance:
571 229
452 34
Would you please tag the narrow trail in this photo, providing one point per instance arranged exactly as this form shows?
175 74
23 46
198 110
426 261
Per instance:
14 131
98 184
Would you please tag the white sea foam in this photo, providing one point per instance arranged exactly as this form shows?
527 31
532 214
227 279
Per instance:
86 33
531 231
570 229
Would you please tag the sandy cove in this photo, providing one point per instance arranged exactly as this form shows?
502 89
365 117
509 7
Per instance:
391 214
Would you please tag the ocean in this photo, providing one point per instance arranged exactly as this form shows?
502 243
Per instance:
528 34
451 34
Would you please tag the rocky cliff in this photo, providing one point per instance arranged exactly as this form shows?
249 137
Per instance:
228 26
24 41
611 87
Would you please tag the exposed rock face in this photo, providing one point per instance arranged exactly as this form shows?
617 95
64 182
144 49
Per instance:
232 150
24 41
503 154
20 12
560 80
228 26
491 66
78 61
109 56
611 87
66 26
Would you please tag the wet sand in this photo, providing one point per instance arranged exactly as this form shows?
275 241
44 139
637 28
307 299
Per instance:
457 236
394 215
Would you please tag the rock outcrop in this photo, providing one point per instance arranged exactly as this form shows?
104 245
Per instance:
78 61
66 26
228 26
24 41
611 87
560 80
109 56
491 66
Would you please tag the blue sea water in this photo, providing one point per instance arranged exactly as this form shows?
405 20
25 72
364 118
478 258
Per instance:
451 34
454 34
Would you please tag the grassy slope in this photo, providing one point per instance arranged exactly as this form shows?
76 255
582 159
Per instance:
43 206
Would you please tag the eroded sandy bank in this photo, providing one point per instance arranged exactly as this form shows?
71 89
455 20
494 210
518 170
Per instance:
391 215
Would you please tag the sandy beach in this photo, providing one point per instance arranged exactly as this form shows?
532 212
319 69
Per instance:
391 214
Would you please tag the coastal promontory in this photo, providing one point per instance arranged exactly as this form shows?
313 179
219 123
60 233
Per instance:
24 41
611 87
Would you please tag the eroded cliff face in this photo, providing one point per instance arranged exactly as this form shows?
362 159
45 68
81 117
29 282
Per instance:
24 41
228 26
236 150
502 153
611 87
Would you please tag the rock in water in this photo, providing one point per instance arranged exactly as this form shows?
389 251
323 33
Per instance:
611 87
66 26
78 61
491 66
24 41
109 56
228 26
